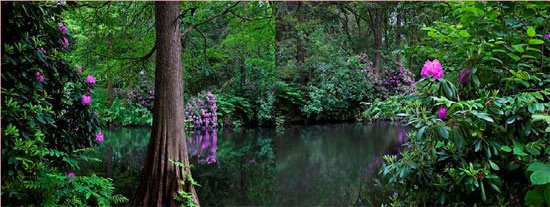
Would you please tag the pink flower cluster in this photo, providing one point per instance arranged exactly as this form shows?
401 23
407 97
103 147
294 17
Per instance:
90 79
442 113
86 100
547 35
99 137
64 43
61 28
432 68
202 112
39 76
399 81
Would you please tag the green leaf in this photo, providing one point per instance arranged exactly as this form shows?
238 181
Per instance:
531 31
535 41
493 165
464 33
506 148
533 198
483 116
541 173
519 47
513 56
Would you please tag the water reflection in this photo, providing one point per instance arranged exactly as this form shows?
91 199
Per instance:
202 145
305 165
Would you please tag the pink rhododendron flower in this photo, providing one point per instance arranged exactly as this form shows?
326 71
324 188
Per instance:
442 113
90 79
39 76
99 137
71 174
86 100
432 68
61 28
64 42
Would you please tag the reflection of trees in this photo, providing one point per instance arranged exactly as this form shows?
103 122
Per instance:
316 165
243 173
327 164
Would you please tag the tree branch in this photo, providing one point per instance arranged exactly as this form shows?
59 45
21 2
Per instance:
186 31
143 58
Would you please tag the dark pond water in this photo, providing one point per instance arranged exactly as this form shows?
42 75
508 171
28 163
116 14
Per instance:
304 165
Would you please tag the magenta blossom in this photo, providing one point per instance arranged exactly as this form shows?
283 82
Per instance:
432 68
86 100
463 76
71 175
61 28
90 79
442 113
39 76
547 35
41 51
64 42
99 137
321 69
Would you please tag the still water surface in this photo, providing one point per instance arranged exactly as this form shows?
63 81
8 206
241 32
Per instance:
304 165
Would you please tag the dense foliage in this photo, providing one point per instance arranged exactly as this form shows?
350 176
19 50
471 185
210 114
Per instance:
471 80
47 121
477 138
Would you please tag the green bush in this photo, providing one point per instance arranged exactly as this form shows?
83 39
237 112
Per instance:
47 123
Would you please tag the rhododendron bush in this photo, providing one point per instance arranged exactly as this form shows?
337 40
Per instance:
47 121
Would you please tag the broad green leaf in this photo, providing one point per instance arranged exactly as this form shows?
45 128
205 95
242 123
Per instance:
533 198
531 31
493 165
506 148
535 41
513 56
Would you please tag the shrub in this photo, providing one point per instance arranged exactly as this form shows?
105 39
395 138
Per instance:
47 121
202 112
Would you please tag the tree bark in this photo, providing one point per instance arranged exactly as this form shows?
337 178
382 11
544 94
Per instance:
398 34
160 178
301 49
378 39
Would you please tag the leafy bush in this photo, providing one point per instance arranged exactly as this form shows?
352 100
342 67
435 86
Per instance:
484 147
202 112
47 121
335 89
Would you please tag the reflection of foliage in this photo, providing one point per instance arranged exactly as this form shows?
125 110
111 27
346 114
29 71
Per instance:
329 164
245 165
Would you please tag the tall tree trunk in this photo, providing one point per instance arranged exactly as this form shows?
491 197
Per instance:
160 178
398 34
301 49
378 39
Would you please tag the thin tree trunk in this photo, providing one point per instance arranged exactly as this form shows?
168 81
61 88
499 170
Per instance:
378 39
301 49
160 178
398 34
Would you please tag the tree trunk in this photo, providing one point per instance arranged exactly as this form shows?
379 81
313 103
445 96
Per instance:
378 39
398 34
301 49
160 178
